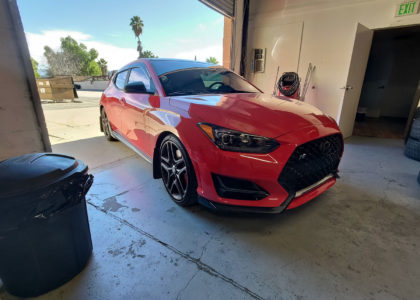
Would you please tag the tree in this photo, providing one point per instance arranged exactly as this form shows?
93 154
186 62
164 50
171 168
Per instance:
103 64
212 60
148 54
72 59
137 27
35 67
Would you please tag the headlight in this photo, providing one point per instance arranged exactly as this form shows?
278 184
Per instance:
236 141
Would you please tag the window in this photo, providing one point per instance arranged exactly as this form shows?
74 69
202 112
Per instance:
141 74
204 81
120 79
211 78
163 66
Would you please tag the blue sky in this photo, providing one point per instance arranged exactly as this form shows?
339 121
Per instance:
172 28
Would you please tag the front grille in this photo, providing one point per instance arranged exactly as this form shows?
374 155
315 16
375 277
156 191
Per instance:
311 162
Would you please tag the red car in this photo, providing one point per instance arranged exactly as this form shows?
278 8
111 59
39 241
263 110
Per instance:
215 138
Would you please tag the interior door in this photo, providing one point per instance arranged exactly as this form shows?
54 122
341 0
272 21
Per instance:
355 77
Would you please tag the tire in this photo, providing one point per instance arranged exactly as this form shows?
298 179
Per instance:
415 129
177 171
418 178
106 127
412 149
417 114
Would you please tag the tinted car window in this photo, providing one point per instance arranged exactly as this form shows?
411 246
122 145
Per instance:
204 81
140 74
120 79
211 78
165 66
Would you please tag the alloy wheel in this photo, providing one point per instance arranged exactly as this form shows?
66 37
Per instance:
174 170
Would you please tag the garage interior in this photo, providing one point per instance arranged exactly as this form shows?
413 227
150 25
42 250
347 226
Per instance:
359 240
389 94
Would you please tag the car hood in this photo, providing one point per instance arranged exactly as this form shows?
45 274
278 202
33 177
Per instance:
253 113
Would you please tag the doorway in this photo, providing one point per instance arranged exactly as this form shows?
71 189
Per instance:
390 89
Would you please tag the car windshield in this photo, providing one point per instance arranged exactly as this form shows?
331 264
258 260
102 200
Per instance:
211 80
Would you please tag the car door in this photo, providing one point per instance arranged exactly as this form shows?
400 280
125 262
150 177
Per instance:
136 104
115 100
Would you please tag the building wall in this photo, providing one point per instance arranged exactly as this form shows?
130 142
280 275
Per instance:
327 32
97 85
227 41
22 124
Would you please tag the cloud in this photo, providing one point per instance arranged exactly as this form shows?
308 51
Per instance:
219 21
202 53
114 55
201 28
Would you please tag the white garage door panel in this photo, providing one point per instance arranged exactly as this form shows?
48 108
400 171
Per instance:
283 44
225 7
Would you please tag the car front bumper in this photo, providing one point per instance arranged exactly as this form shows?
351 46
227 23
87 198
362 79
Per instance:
262 169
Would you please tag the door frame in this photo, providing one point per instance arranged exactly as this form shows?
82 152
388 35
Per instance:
354 112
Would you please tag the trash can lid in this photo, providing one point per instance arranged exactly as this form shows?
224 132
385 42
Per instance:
22 174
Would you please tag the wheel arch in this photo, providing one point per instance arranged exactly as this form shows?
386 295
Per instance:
101 107
156 157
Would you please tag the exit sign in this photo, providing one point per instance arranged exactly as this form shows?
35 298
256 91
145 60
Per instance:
407 8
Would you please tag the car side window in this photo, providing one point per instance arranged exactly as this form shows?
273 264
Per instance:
120 79
141 74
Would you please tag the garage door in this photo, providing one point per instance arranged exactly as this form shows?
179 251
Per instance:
225 7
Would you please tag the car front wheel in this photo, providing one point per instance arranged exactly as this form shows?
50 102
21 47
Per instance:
177 172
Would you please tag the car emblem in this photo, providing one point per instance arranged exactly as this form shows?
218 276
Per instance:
302 156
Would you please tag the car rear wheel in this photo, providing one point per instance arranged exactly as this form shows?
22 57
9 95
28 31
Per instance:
106 127
177 172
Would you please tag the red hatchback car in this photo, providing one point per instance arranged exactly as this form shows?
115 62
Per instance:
215 138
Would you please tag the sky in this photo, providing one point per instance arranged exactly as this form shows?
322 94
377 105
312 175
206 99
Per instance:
172 28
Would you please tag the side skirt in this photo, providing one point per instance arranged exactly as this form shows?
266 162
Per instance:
129 145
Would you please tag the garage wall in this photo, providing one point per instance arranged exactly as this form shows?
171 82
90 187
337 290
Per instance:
329 28
22 124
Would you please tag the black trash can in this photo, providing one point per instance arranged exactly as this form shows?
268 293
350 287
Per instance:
44 230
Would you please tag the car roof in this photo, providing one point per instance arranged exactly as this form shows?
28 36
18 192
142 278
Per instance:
165 65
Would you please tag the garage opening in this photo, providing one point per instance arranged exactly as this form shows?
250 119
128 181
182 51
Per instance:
390 92
73 67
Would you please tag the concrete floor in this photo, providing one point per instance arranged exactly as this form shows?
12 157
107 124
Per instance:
359 240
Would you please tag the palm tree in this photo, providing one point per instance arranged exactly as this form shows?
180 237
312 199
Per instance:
137 26
212 60
103 64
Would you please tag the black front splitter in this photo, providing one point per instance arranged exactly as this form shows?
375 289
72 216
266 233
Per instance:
219 207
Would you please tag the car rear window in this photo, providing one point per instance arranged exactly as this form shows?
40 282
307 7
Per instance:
166 66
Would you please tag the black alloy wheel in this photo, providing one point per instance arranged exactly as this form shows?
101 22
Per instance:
177 172
106 126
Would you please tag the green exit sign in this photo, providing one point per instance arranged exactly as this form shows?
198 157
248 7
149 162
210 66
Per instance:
407 8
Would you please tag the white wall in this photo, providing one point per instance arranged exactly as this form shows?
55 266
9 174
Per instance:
329 28
97 85
22 125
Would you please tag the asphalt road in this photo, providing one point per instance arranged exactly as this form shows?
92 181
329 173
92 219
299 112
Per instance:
86 99
71 121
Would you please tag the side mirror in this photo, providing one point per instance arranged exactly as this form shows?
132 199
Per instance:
137 87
